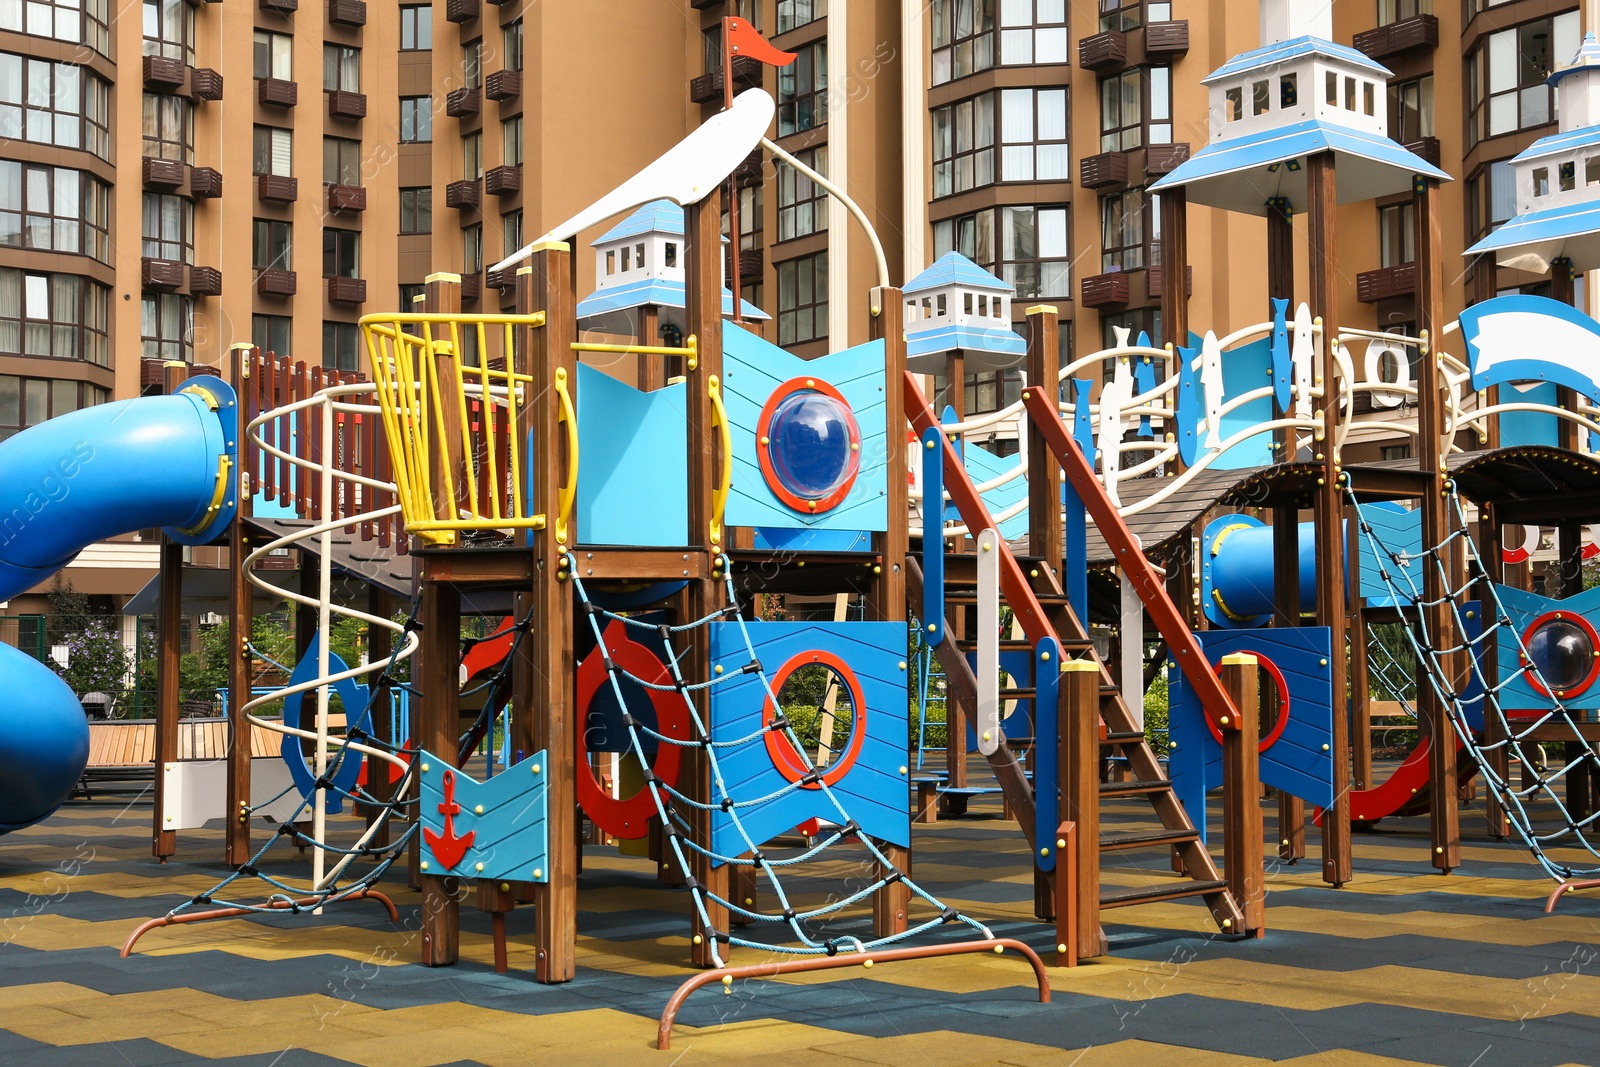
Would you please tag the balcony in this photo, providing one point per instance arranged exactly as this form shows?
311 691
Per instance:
205 183
352 13
339 198
701 5
462 10
205 84
1104 170
501 279
165 174
707 88
1170 39
752 171
503 180
1426 147
161 273
205 281
1386 282
163 74
463 103
347 290
275 92
346 105
1418 31
1105 290
751 261
1162 159
152 374
274 282
463 195
1153 279
503 85
471 287
1103 51
279 7
277 188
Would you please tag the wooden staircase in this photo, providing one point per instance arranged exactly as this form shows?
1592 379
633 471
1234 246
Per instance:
1031 589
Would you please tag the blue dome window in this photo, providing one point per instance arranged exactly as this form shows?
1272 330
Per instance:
810 446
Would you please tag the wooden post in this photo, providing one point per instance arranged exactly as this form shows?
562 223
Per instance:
546 285
1079 761
1066 888
1045 532
169 644
380 646
236 833
1562 289
1438 618
437 734
1329 500
1286 612
1242 831
652 369
1175 267
887 600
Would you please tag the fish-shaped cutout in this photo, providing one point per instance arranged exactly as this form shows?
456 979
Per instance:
1082 425
1188 407
1114 396
1121 335
1144 380
1211 382
1282 367
1305 353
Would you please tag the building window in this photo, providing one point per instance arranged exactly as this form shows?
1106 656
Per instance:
1491 197
168 29
341 68
416 27
168 227
1033 136
166 326
1392 11
341 161
1136 321
472 248
1033 31
1122 218
341 253
963 38
54 209
512 136
410 296
341 345
26 402
416 119
63 20
168 127
472 64
795 13
803 299
1397 234
991 390
272 333
1120 14
752 209
802 203
1506 74
1411 109
416 210
1136 109
963 145
511 232
273 153
59 316
472 156
54 104
1030 250
511 38
273 246
274 55
803 90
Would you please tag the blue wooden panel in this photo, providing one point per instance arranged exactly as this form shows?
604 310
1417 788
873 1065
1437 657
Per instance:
753 369
1189 410
1396 529
790 539
1244 369
1522 609
300 712
1144 380
1046 657
1300 762
875 790
633 465
1282 356
505 816
1529 427
982 465
932 465
1082 419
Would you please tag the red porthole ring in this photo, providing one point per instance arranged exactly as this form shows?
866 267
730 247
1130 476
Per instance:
790 763
628 818
809 445
1284 703
1563 646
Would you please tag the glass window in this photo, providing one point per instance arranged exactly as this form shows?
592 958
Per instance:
472 248
416 209
512 39
273 152
57 104
274 55
803 299
26 402
1035 31
53 209
341 343
472 64
168 29
1411 109
1033 135
272 246
511 232
1506 72
963 145
416 119
166 326
1397 234
272 333
1122 218
168 127
511 130
992 390
802 204
1392 11
963 37
794 13
472 156
803 90
409 296
168 227
341 68
1120 15
1028 246
341 161
416 27
64 20
1135 320
57 316
341 253
1491 197
1136 108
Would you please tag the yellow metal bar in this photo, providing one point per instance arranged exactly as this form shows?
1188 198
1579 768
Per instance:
396 320
532 522
569 492
486 405
719 494
515 442
634 350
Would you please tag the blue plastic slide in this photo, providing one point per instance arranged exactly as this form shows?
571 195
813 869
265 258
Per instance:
167 461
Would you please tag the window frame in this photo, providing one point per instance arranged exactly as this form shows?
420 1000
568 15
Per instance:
799 111
979 159
792 206
88 23
416 26
346 160
962 46
277 52
420 214
23 218
267 236
419 119
160 245
161 112
270 328
156 344
1528 86
178 44
793 14
74 323
341 68
792 310
341 252
271 139
341 346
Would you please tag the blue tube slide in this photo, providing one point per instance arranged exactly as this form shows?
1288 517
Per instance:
167 461
1236 571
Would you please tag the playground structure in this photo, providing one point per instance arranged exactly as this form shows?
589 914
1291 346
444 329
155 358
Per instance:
624 534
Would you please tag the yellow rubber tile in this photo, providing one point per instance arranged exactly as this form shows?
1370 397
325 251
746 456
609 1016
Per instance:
935 1048
1126 1053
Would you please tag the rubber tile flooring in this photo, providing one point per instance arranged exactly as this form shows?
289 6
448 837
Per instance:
1401 966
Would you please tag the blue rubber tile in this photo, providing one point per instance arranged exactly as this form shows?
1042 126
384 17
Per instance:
136 1053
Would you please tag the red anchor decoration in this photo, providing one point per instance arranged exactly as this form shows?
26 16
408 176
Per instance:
447 847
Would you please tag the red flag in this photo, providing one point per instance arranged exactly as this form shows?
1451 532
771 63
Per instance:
745 40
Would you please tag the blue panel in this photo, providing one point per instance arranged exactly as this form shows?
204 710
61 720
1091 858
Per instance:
874 791
1522 609
506 818
932 459
983 465
1524 338
789 539
1047 811
1244 369
1529 427
1282 358
1396 529
753 370
1300 762
1189 409
1082 419
300 712
1144 380
633 467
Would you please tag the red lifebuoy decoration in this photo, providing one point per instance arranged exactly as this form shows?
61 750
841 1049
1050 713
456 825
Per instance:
1272 735
628 818
791 764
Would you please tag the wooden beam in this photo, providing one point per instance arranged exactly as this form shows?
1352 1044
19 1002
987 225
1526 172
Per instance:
236 846
169 652
1045 534
1286 612
437 732
1242 831
1079 744
1174 267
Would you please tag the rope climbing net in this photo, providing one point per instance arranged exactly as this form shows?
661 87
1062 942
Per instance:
678 811
1465 674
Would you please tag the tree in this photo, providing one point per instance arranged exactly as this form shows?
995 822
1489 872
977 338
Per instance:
97 661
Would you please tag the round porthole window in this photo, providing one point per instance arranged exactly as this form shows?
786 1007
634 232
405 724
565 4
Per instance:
1561 649
809 445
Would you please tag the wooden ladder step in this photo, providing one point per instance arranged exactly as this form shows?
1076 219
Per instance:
1133 787
966 598
1130 737
1006 645
1027 693
1133 838
1148 894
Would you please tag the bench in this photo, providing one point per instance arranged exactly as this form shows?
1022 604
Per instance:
124 750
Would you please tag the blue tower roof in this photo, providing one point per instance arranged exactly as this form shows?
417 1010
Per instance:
1588 57
663 216
1273 54
662 292
953 268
